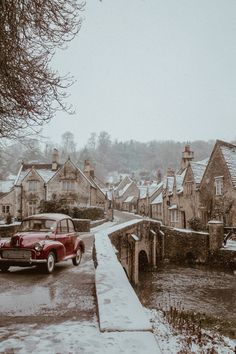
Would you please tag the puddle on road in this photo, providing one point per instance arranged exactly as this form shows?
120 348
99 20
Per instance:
27 303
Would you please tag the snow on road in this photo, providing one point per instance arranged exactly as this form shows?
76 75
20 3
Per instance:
72 337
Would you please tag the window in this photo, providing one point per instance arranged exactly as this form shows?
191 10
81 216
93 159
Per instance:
68 185
219 185
71 226
32 207
6 209
189 188
32 186
174 215
62 227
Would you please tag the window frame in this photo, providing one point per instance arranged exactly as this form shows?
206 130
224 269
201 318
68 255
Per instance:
219 185
68 185
174 215
6 208
33 185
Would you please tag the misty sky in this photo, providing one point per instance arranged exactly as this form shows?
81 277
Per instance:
152 69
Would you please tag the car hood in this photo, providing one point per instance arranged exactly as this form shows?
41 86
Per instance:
26 239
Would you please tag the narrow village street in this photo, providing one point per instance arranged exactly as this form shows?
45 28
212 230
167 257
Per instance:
48 312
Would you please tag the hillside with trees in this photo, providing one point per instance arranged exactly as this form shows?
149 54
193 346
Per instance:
106 155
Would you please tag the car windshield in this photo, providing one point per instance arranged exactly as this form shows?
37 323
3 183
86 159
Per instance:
38 225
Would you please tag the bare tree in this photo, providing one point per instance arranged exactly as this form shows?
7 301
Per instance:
68 145
30 91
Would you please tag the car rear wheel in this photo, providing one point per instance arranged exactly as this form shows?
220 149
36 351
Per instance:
49 266
4 268
77 259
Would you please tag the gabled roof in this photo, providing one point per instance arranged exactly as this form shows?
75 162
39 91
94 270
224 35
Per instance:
43 170
198 169
229 154
179 178
123 183
168 184
5 186
158 199
25 172
90 181
122 191
46 174
149 190
130 199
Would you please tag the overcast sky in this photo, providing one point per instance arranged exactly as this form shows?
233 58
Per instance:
152 69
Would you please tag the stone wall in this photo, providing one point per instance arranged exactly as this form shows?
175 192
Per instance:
82 225
185 245
224 259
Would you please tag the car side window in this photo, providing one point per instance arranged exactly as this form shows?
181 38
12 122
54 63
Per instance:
70 226
62 227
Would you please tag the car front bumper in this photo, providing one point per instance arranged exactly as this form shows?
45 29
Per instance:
19 257
22 262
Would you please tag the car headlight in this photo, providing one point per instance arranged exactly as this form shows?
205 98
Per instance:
38 247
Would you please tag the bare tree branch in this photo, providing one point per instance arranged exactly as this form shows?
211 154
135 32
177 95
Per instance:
30 91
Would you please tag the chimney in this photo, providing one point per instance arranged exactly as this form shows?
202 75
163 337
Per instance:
159 176
187 156
55 159
88 170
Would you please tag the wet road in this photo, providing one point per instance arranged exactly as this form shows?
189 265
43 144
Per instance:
28 296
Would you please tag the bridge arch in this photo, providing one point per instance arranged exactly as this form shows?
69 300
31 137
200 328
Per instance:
143 262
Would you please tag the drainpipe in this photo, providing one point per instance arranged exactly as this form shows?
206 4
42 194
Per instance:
45 191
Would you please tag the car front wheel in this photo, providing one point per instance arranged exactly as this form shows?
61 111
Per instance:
49 266
77 259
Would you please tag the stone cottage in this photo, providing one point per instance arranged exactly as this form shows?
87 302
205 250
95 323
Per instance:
36 182
218 185
126 195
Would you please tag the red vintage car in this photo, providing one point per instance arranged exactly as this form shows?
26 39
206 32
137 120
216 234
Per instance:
43 240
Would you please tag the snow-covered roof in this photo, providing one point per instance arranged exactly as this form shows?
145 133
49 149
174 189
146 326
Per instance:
229 154
198 169
5 186
45 174
129 199
169 183
158 199
123 183
142 192
122 191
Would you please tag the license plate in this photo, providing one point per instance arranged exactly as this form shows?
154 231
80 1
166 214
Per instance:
12 254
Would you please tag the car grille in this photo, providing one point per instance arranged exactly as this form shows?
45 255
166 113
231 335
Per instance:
16 254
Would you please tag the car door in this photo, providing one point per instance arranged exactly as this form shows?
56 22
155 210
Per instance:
72 234
63 235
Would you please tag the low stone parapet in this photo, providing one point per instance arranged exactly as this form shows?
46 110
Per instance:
82 225
185 245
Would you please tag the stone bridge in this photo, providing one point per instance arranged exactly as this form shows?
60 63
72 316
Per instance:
145 243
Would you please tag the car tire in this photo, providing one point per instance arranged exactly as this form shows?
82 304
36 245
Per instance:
4 268
77 259
49 266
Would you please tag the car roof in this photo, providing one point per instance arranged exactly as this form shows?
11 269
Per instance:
51 216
